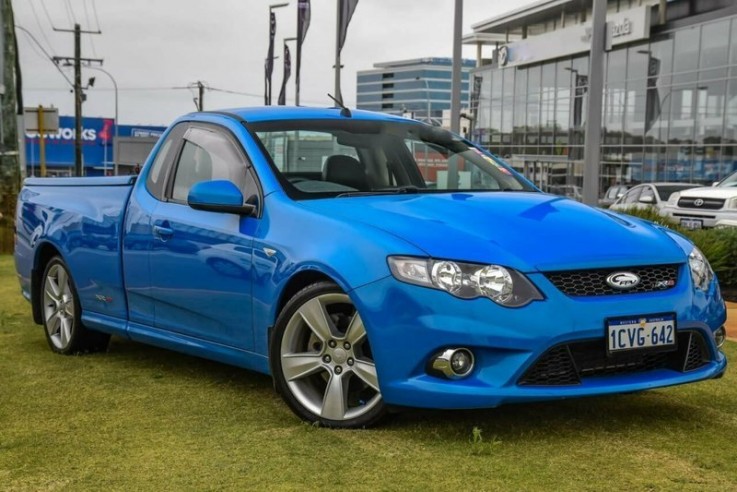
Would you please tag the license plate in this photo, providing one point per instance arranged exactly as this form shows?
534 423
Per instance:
641 332
692 223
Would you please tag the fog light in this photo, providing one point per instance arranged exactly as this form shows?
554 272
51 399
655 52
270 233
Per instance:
719 335
454 363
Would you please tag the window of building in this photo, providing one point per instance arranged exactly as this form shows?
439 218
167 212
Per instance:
714 49
686 54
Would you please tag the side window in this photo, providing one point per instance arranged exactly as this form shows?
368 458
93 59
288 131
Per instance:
208 155
632 196
156 178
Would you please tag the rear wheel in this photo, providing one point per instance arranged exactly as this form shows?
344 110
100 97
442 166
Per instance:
322 362
62 313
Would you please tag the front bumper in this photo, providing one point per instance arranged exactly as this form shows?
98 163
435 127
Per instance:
709 218
408 324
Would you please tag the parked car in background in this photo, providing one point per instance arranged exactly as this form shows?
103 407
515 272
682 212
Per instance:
714 206
571 191
649 195
612 194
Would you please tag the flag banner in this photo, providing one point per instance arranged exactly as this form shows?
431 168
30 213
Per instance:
347 7
652 97
303 24
475 93
582 82
303 20
287 73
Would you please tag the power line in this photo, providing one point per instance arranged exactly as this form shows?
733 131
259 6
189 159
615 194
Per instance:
43 4
89 23
40 27
51 58
94 11
120 89
70 12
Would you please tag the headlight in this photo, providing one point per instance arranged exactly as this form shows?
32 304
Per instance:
732 203
701 271
466 280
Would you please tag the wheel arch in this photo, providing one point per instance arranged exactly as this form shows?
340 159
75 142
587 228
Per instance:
45 251
299 281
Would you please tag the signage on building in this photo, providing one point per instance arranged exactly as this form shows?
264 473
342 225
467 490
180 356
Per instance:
145 132
622 27
97 141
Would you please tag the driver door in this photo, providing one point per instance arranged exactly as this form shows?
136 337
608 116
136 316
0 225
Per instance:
201 261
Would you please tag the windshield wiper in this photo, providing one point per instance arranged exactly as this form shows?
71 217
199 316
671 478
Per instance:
406 189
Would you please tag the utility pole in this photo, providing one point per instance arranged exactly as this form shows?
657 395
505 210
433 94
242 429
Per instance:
201 96
10 97
78 169
78 95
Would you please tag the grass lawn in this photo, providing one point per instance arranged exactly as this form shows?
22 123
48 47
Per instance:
140 418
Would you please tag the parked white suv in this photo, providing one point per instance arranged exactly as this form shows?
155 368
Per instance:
705 207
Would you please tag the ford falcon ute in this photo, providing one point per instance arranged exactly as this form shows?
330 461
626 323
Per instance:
366 262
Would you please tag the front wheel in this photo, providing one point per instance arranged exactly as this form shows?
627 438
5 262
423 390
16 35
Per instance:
322 362
62 313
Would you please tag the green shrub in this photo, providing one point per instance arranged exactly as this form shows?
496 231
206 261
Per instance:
718 245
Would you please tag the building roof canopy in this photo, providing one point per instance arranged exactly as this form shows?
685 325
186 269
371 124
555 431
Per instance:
541 11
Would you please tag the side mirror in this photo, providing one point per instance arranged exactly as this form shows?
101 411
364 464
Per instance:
715 183
218 196
649 200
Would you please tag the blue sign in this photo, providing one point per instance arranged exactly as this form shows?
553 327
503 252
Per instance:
97 142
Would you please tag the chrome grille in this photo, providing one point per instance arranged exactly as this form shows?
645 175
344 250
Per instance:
580 283
701 203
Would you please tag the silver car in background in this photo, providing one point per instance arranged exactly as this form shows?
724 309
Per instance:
650 195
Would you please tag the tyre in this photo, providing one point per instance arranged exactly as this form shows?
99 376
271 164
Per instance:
322 362
62 313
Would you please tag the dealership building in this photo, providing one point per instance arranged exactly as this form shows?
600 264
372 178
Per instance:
670 90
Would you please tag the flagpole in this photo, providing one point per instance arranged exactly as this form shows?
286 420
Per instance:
303 23
337 94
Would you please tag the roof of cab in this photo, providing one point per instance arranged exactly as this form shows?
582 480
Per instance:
277 113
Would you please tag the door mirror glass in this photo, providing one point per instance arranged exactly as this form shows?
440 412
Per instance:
218 196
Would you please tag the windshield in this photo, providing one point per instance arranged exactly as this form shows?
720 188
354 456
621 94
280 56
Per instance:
323 158
729 181
665 191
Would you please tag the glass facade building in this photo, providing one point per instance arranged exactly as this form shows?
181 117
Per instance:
669 103
420 87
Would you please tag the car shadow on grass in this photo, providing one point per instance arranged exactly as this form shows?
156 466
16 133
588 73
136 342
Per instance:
163 363
631 412
636 413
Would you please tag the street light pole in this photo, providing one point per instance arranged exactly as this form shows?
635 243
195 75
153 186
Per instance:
455 85
115 138
592 149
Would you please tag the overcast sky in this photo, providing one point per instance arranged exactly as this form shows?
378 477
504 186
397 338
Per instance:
152 46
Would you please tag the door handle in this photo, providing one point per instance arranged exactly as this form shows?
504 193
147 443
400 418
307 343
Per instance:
163 233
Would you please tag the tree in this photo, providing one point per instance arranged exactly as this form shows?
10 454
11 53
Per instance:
9 159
